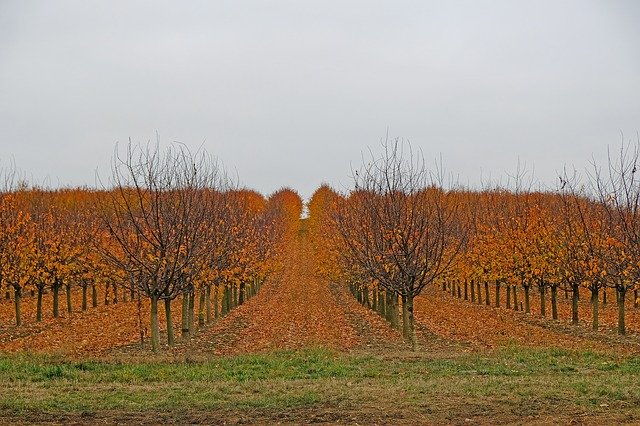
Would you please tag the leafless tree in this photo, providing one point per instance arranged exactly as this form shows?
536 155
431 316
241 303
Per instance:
618 190
402 226
158 217
583 229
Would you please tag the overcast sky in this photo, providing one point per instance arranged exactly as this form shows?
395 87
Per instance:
290 93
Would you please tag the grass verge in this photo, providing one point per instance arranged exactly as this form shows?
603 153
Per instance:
514 384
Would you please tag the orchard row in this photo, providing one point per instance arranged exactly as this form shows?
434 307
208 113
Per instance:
400 230
170 224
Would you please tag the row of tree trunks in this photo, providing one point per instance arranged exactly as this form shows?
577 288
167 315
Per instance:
225 298
40 288
574 289
386 304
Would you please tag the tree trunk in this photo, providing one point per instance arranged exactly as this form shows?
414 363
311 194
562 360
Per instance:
466 290
408 325
459 290
622 293
68 291
234 303
604 297
497 293
106 294
543 300
381 303
192 308
224 308
406 333
527 305
84 298
17 299
574 303
473 292
479 293
56 300
554 301
389 306
508 296
185 314
39 304
594 308
94 296
374 300
201 303
155 327
365 292
635 298
515 298
392 309
487 299
242 294
208 296
169 318
124 295
216 312
115 293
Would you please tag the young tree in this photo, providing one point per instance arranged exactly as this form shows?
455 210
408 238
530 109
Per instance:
403 229
159 216
618 190
16 237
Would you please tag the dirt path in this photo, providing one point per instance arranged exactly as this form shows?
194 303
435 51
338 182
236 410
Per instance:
294 309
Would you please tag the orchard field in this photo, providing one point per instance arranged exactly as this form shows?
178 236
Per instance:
175 297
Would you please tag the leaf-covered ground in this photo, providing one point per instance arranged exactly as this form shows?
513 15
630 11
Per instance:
493 327
296 309
293 310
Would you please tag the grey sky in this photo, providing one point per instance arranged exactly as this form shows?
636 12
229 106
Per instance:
289 93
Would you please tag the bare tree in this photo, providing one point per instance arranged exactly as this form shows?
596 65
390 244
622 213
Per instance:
583 236
158 216
402 228
618 190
